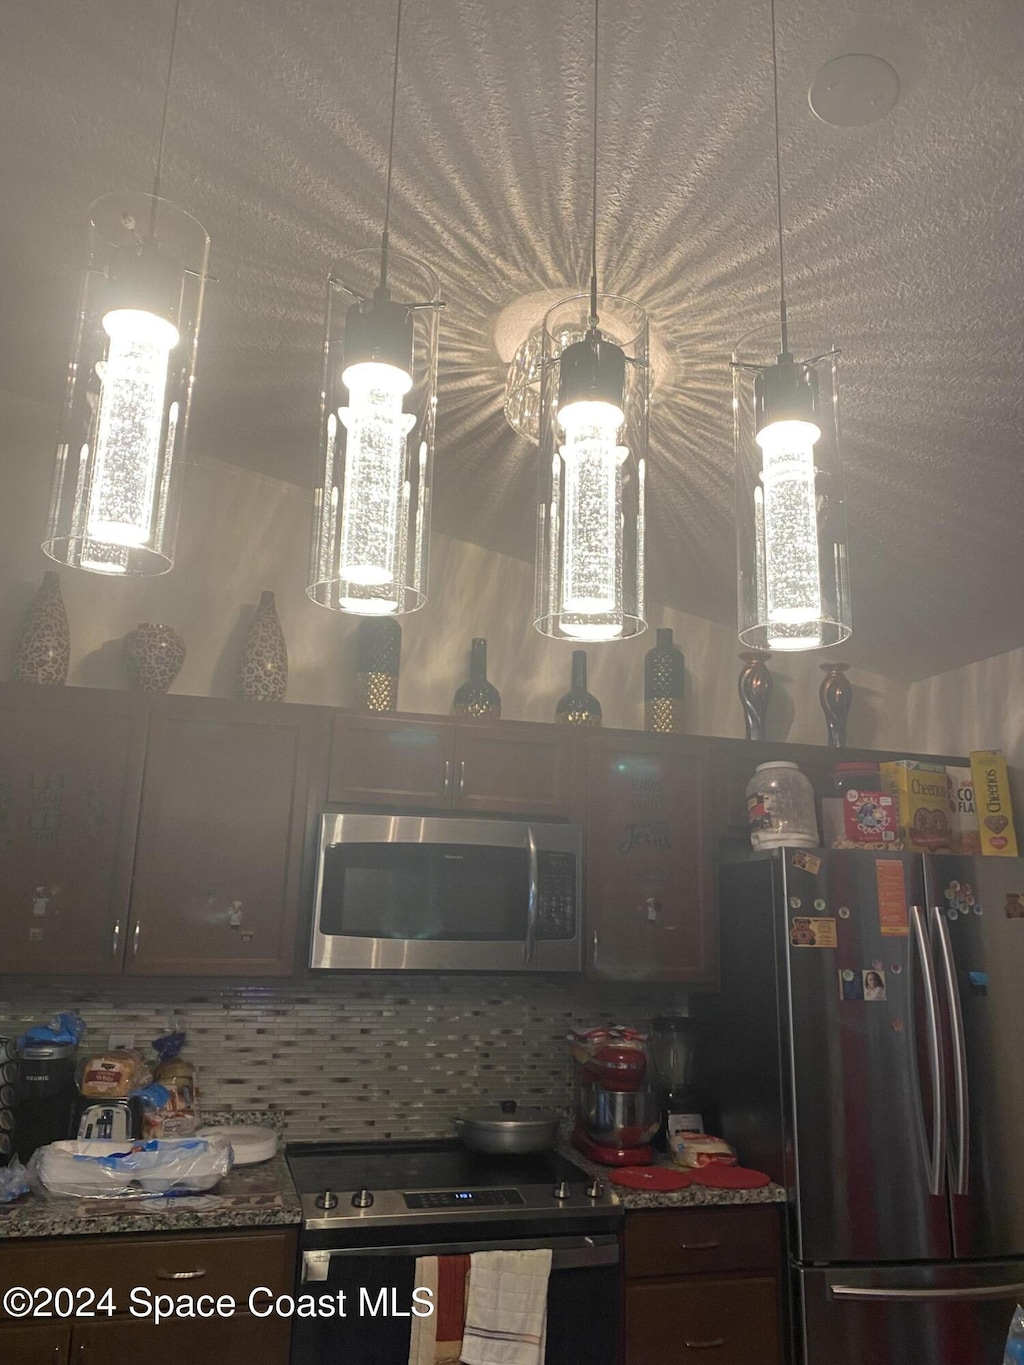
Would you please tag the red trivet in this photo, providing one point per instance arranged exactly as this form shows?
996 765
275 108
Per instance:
731 1178
652 1178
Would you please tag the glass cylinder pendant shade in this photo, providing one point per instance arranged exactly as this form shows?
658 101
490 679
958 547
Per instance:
371 506
117 481
792 560
594 413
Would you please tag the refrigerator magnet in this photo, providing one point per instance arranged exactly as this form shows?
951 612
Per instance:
1014 907
850 985
874 984
808 861
807 932
893 919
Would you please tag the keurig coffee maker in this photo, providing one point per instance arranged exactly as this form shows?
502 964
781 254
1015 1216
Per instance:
45 1095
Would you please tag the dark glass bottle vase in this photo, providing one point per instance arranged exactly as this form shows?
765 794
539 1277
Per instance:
477 698
379 654
578 706
664 672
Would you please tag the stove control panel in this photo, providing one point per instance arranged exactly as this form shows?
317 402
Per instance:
459 1199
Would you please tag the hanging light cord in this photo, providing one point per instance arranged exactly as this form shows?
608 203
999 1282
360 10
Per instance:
778 191
391 156
163 122
592 321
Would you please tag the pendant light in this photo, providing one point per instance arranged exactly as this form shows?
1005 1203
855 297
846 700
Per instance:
594 407
378 399
792 559
117 482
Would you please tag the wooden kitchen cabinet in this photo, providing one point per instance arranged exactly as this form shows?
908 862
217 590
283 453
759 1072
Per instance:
35 1343
227 810
71 762
702 1284
648 862
513 767
216 1263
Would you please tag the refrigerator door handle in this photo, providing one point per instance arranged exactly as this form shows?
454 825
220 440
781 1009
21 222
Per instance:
959 1047
937 1156
908 1295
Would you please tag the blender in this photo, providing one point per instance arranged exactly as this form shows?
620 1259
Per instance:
616 1102
673 1050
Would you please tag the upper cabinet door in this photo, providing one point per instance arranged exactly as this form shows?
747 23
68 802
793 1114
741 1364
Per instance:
383 761
648 872
70 775
226 806
512 768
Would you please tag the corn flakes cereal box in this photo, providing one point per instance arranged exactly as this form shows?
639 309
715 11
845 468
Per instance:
992 798
966 837
924 810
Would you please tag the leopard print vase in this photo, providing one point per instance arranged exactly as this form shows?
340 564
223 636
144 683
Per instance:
263 673
153 655
43 651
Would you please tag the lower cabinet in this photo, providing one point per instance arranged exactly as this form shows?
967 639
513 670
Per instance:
703 1285
225 1266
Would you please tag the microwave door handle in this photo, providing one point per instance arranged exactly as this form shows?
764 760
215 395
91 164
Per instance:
532 904
959 1049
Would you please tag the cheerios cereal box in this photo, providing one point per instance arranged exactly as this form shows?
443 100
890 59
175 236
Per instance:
924 809
992 798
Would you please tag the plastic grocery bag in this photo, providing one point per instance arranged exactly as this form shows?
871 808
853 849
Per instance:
1015 1341
113 1170
13 1181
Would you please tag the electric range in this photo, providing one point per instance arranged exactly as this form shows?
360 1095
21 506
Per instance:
345 1187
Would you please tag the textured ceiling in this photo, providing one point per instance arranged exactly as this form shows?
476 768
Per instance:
907 235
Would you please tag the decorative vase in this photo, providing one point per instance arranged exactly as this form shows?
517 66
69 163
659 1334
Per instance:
43 651
836 697
263 671
477 697
755 688
153 655
664 673
578 706
380 648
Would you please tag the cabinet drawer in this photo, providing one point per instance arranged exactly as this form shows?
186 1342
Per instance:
166 1265
35 1343
701 1241
703 1322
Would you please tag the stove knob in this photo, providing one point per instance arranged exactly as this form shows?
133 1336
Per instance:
595 1190
362 1199
328 1200
562 1190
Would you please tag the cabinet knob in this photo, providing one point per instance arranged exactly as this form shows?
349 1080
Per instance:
462 776
135 938
180 1274
447 776
115 942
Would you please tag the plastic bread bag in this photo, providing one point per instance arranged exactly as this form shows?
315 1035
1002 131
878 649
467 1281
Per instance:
110 1169
178 1114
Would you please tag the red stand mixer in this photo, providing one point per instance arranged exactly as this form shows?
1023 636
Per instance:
617 1106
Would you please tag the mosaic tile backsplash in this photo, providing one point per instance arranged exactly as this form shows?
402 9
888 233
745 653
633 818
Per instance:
356 1057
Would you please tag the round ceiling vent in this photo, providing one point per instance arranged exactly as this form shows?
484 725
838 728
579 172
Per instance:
852 90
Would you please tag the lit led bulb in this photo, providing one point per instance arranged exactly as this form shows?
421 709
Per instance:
792 582
375 501
592 555
128 428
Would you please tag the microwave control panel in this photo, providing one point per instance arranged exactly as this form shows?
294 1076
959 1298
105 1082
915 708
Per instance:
556 895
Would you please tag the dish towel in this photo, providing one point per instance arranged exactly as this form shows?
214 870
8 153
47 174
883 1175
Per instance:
506 1308
437 1339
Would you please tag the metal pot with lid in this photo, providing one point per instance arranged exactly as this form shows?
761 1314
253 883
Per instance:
508 1129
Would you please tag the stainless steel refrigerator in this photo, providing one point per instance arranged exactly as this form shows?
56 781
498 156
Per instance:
867 1050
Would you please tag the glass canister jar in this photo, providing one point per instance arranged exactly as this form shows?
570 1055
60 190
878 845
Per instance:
780 807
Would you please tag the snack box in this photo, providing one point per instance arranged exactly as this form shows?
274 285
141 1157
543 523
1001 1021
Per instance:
992 798
860 819
966 837
924 811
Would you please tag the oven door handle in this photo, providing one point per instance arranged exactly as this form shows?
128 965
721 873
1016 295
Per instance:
567 1253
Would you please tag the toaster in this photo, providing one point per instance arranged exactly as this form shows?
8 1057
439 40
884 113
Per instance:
114 1118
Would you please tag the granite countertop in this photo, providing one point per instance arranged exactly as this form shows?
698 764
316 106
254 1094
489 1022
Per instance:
256 1196
694 1196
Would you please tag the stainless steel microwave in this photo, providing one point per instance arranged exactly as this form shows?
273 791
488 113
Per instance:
410 892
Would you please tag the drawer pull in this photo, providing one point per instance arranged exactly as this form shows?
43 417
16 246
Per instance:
698 1246
711 1345
180 1274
